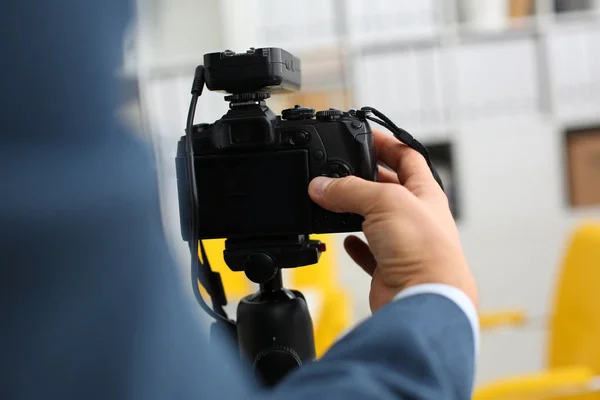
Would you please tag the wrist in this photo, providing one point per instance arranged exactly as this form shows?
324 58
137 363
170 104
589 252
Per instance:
461 279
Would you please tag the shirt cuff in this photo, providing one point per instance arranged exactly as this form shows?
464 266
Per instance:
454 294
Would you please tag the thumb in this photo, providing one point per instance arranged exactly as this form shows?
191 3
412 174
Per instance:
355 195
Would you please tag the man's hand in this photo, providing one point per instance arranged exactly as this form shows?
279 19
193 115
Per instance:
411 234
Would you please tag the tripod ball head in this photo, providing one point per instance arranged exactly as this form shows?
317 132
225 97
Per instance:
275 332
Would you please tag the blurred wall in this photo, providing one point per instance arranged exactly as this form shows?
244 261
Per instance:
176 31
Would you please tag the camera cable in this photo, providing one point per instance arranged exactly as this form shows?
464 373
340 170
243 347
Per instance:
201 271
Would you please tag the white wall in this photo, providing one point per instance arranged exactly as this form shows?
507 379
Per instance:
514 230
172 31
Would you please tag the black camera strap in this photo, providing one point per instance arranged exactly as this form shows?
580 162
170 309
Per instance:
404 137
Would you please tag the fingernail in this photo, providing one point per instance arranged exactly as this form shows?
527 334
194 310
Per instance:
318 185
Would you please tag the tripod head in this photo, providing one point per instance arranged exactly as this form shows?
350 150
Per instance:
274 327
261 259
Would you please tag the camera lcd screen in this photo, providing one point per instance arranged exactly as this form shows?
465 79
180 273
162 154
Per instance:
253 194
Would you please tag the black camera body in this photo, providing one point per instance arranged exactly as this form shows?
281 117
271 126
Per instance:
253 167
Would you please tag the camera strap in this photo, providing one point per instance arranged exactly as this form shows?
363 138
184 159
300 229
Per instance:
403 137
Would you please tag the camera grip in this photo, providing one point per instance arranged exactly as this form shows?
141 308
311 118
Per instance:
366 156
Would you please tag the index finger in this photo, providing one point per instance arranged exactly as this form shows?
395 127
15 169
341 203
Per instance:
410 165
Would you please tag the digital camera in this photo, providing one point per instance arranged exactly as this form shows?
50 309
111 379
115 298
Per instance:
253 167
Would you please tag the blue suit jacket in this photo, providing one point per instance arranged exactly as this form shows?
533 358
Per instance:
91 305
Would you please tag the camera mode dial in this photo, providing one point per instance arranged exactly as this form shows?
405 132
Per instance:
329 115
298 112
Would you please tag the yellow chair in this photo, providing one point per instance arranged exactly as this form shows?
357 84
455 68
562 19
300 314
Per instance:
329 303
574 338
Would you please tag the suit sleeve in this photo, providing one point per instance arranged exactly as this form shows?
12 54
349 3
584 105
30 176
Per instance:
419 347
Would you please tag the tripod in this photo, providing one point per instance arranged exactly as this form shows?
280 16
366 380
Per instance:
274 329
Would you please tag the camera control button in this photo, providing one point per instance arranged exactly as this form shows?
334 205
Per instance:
301 138
357 124
298 112
329 115
260 267
318 154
